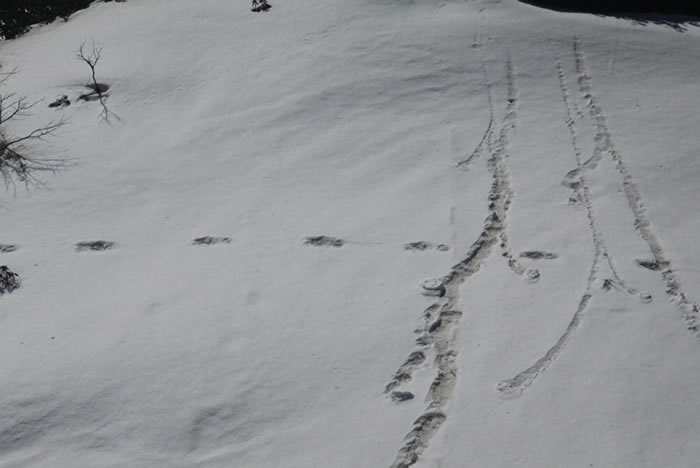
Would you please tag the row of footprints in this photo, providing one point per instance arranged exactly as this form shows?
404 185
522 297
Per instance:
315 241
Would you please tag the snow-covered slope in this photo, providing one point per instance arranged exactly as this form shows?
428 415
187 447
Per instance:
491 127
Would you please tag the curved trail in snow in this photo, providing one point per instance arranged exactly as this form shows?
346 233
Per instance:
485 139
642 223
577 181
442 317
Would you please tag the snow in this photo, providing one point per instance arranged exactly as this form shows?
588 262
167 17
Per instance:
348 120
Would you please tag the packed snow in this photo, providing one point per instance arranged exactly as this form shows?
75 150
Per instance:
371 233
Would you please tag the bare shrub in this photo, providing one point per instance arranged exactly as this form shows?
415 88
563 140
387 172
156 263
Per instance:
259 5
98 91
18 163
9 280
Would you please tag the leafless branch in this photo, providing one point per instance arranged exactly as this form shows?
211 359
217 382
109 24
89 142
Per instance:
17 166
36 134
17 163
11 108
15 108
91 58
4 76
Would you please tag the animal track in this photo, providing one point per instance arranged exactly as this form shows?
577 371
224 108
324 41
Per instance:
403 374
531 274
674 289
517 384
577 181
465 163
9 280
98 246
649 264
209 240
61 101
328 241
7 248
441 318
401 396
324 241
422 245
433 287
538 255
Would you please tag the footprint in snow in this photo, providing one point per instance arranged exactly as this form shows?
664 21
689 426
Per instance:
324 241
649 264
210 240
401 396
7 248
421 246
96 246
433 287
538 255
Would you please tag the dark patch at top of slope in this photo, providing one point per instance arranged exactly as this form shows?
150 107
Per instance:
677 14
16 16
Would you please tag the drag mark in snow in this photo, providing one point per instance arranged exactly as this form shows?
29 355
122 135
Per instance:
442 317
533 275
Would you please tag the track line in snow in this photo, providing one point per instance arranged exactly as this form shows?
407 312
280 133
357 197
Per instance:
582 186
533 274
642 223
441 318
476 154
578 182
515 385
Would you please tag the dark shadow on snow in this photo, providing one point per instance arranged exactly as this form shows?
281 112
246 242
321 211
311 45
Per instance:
676 14
17 16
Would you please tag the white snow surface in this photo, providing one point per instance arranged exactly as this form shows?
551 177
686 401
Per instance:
349 119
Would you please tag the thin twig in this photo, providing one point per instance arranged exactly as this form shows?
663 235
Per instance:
91 58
